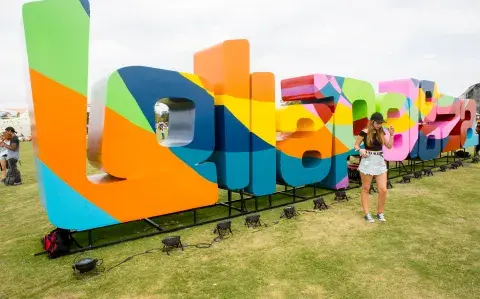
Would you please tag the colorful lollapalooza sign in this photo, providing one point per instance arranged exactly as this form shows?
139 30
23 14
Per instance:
224 132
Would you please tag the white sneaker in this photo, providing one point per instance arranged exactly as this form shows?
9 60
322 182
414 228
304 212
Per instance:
369 217
381 217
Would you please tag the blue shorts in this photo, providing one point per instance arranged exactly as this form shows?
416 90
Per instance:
374 164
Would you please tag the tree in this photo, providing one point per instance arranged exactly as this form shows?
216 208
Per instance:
163 117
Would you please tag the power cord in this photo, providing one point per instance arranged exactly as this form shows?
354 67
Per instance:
309 211
152 250
161 249
205 245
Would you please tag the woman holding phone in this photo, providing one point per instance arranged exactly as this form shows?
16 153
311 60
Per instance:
372 163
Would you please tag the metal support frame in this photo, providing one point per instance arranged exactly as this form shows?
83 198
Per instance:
245 197
151 223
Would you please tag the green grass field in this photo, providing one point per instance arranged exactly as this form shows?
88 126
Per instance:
429 248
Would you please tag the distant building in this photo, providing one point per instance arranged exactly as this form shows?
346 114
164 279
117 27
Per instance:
473 92
16 118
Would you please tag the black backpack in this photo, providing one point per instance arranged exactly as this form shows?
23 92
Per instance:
13 174
58 242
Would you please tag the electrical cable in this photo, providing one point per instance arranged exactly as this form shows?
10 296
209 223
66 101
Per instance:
132 256
204 245
310 211
155 250
159 249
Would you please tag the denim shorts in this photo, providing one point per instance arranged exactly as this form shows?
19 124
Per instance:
374 164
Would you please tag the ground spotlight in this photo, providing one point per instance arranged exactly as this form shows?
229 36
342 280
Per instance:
443 168
427 172
460 163
289 212
454 165
85 265
418 174
223 228
340 195
170 243
319 203
406 179
475 159
372 189
253 220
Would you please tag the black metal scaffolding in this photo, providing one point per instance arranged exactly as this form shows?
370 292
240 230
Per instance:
238 203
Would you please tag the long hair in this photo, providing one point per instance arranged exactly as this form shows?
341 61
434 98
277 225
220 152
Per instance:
373 133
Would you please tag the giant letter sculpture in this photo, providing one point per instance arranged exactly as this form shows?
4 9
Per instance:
223 126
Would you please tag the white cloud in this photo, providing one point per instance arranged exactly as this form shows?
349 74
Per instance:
371 40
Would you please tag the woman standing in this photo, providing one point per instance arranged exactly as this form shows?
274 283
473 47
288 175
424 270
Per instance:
372 163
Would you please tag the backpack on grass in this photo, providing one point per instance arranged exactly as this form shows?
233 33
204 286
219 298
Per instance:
58 242
14 176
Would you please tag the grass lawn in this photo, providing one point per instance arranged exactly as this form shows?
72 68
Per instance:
429 248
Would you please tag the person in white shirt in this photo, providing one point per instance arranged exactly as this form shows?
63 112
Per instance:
162 129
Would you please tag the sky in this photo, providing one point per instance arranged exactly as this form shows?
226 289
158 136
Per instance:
371 40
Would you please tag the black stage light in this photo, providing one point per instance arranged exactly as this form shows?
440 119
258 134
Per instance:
372 189
443 168
454 165
475 159
418 174
223 228
170 243
389 184
253 221
427 172
460 163
319 203
406 179
289 212
85 265
339 195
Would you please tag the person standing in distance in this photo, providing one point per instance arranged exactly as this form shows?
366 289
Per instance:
477 147
13 149
372 163
3 156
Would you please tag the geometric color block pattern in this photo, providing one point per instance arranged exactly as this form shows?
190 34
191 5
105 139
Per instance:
224 130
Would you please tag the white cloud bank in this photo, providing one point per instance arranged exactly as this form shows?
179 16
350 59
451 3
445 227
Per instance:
370 40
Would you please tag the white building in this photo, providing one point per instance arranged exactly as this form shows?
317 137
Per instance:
473 92
16 118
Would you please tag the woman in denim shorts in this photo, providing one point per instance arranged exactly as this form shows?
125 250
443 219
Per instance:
372 163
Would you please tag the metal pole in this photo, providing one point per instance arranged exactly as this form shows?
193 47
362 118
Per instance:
229 195
90 239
